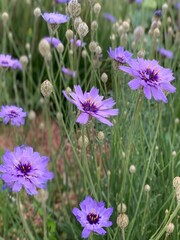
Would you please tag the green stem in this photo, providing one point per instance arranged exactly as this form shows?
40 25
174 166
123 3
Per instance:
44 220
25 225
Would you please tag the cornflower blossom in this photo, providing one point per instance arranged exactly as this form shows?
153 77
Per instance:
54 41
55 18
109 17
120 55
77 42
12 114
93 216
165 53
91 105
68 72
151 77
24 168
6 61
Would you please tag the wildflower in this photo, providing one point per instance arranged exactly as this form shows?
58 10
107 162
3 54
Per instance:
109 17
25 168
120 55
151 77
91 105
165 53
77 42
93 216
54 20
69 72
5 61
16 64
12 114
54 41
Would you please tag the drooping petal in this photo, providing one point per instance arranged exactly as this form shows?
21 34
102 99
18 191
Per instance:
168 87
83 118
158 94
147 92
85 233
134 84
100 231
103 120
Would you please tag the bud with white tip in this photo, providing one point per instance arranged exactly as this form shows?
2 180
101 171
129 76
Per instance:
37 12
132 169
104 77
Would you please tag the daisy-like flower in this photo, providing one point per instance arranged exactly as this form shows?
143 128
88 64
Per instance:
91 105
166 53
151 77
93 216
68 72
54 20
5 61
14 115
54 41
109 17
25 168
120 56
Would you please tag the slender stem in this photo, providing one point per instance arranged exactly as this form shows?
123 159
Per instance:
25 225
44 221
123 234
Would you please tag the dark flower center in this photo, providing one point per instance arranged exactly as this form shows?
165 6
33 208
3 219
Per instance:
24 168
149 75
120 59
13 114
93 218
89 107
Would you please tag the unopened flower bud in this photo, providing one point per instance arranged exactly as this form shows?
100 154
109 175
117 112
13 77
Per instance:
44 48
100 135
10 36
97 8
122 220
59 115
147 188
126 26
169 228
69 34
60 48
77 21
74 8
164 7
92 46
5 17
108 173
98 50
156 33
37 12
176 120
174 153
82 30
83 141
68 90
176 182
28 46
46 88
132 169
94 26
32 115
104 77
141 54
122 208
84 53
24 61
41 126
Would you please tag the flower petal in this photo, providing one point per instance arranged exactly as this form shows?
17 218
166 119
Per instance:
134 84
83 118
85 233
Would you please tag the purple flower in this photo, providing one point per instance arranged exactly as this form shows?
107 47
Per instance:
120 55
178 5
139 2
165 53
91 105
25 168
62 1
109 17
93 216
151 77
67 71
55 18
6 61
77 42
54 41
14 115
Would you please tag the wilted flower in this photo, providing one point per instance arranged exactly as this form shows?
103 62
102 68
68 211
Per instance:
25 168
93 216
120 55
151 77
69 72
12 114
165 53
54 41
91 105
109 17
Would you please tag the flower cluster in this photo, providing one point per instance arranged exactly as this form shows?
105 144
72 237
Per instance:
25 168
93 216
91 104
